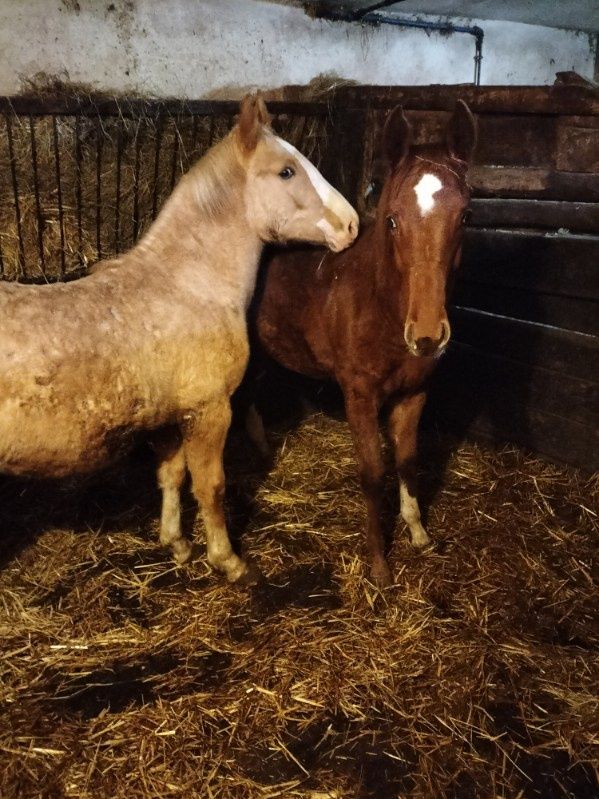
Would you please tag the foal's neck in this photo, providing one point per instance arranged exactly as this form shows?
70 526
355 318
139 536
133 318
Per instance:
202 233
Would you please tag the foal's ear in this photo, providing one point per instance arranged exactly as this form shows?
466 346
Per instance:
397 136
253 115
462 133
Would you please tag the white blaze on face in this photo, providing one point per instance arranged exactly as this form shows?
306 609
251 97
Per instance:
341 216
425 189
330 197
324 190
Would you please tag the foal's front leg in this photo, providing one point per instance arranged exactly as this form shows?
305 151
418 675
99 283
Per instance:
403 430
204 442
362 415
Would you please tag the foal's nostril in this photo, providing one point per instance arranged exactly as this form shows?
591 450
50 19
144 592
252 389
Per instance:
352 228
425 345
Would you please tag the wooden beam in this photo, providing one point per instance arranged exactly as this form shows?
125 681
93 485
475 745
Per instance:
577 217
500 379
562 351
477 394
566 265
577 144
564 312
555 100
532 182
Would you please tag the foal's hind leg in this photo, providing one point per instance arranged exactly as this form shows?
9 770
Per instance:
171 473
204 444
403 429
254 427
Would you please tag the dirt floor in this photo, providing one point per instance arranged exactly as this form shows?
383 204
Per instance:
476 675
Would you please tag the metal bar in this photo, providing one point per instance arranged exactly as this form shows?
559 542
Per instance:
15 188
36 187
78 171
361 12
194 134
117 201
138 143
300 139
157 148
99 145
134 108
59 195
175 154
211 131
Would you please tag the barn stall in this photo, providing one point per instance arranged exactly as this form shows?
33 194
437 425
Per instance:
476 674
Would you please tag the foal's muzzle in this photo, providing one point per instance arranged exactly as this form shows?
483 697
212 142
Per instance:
342 239
422 345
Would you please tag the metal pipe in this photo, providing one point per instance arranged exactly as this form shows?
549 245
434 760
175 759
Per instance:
361 12
376 18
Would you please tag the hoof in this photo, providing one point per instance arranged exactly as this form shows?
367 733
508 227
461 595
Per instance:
182 549
249 577
420 540
381 575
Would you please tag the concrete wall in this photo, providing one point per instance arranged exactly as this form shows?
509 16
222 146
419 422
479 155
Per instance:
198 48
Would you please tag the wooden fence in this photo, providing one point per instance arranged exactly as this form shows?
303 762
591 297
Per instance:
82 178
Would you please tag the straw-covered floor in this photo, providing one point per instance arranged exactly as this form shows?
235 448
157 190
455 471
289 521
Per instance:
476 675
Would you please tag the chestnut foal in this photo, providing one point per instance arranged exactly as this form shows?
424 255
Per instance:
374 317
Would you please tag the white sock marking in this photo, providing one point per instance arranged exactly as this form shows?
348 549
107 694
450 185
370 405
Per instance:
427 186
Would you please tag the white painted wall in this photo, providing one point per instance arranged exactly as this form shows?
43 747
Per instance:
198 48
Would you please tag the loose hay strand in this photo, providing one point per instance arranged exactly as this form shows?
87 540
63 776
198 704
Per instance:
475 675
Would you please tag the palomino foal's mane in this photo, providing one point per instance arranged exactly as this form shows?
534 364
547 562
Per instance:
215 179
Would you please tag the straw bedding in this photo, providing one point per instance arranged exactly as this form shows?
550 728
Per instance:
474 676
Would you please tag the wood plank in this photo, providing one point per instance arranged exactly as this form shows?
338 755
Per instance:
512 382
551 214
564 312
504 139
504 181
558 99
577 144
563 351
553 437
565 265
467 399
511 140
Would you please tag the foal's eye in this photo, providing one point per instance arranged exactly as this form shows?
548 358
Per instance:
287 172
391 223
466 216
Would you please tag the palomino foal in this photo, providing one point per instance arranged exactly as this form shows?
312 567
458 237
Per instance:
373 318
158 336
